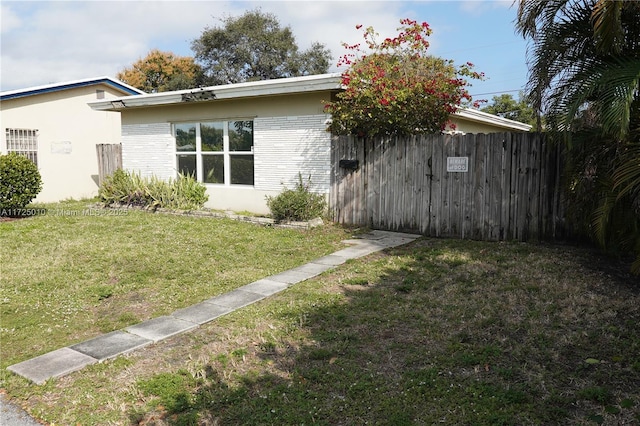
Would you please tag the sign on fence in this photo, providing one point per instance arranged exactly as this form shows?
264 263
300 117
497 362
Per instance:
458 164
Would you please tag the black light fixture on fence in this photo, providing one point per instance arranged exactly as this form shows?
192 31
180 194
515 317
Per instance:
349 164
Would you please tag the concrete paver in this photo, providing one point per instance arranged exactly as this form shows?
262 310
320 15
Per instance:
161 328
201 313
111 345
313 268
290 277
235 299
53 364
264 287
67 360
331 260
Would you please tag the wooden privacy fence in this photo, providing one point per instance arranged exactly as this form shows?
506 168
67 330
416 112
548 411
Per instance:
509 191
109 160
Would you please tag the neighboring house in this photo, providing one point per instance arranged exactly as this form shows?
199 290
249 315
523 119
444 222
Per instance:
245 141
53 126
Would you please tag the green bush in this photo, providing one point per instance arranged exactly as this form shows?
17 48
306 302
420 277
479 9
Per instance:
122 187
297 204
20 182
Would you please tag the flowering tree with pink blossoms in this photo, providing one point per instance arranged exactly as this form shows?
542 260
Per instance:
396 88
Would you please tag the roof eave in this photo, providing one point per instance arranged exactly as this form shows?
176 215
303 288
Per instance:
284 86
57 87
486 118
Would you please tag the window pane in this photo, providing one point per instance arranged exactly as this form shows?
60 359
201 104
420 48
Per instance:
213 168
187 164
186 137
23 142
242 169
240 135
212 136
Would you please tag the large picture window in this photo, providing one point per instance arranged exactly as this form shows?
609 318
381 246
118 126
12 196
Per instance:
23 142
216 152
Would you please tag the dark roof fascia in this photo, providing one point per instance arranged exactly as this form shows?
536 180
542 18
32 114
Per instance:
67 86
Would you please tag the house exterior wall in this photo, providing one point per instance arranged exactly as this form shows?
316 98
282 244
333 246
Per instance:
468 126
68 131
290 137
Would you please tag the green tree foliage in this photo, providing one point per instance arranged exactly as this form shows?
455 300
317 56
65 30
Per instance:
255 47
162 72
585 77
396 88
20 182
506 106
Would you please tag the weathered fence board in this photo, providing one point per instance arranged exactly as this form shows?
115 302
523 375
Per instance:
109 160
510 190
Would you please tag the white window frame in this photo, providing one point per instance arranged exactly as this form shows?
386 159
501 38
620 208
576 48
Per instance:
225 153
23 142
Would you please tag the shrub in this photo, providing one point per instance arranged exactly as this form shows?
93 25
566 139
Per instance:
122 187
297 204
20 182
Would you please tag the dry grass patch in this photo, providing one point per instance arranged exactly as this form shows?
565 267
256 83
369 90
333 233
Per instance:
439 331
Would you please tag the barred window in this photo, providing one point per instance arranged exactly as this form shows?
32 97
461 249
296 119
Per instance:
23 142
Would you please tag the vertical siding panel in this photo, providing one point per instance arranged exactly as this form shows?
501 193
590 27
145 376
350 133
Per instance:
505 142
468 150
398 178
376 209
513 191
479 187
384 188
523 196
455 187
488 194
428 143
420 182
436 188
534 192
410 169
334 179
545 190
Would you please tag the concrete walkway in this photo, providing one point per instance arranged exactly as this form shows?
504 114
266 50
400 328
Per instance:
73 358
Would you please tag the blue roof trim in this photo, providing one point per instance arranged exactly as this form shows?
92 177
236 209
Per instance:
66 86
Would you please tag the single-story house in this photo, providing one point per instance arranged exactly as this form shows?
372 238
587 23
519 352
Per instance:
54 126
248 140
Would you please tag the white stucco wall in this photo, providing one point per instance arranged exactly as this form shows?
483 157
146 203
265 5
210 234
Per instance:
68 131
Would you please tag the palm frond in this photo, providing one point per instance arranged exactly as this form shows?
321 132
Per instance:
611 84
626 178
607 26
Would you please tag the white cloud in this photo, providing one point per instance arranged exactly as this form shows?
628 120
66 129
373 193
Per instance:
62 41
8 18
53 41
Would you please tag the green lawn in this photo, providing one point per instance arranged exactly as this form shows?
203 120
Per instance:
438 331
73 273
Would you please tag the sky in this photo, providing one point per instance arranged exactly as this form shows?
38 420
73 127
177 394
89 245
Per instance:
43 42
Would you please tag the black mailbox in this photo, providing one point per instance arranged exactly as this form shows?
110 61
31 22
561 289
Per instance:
349 164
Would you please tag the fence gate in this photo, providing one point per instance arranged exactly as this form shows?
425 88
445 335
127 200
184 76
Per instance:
109 160
499 186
